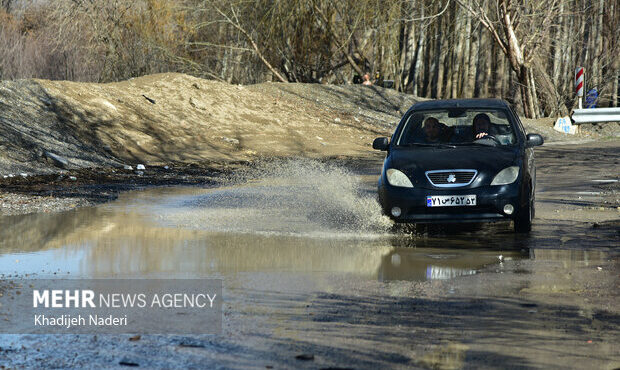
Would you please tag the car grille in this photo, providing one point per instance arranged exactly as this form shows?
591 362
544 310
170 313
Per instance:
451 178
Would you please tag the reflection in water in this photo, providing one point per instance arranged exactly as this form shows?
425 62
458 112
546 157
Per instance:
437 264
443 273
569 256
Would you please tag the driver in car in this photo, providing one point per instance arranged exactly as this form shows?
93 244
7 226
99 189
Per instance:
432 130
481 126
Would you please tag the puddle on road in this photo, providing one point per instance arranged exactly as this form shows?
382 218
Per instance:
138 235
299 217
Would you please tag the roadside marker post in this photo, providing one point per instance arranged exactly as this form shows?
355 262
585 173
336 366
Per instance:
579 84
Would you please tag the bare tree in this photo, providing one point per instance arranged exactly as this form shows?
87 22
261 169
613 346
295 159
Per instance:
524 52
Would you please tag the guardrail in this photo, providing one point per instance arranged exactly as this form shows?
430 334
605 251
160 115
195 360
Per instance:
594 115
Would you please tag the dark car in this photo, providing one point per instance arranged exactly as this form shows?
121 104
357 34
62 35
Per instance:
466 160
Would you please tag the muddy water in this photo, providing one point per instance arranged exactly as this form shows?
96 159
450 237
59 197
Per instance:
223 231
310 266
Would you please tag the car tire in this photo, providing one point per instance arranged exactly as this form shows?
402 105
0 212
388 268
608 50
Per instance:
525 215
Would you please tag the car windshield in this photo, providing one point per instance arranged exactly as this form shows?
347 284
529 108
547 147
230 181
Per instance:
457 126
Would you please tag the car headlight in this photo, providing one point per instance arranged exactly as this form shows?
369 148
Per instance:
397 178
506 176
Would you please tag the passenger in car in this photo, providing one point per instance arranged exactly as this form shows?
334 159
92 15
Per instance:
436 131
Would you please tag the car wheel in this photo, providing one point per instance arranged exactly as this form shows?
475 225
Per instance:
523 221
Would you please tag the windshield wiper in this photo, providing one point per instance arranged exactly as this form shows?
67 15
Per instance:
491 144
436 145
471 143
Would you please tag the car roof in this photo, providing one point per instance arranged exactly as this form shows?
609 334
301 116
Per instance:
461 103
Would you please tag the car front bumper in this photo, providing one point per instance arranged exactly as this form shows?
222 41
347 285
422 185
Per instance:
490 202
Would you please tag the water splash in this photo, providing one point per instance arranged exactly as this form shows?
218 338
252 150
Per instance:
297 196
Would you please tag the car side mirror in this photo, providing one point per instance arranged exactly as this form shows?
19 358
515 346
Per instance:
381 143
533 140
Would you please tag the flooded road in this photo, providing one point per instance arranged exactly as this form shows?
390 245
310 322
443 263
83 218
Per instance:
311 267
162 232
306 217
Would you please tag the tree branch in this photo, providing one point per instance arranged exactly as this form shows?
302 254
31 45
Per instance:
486 22
235 23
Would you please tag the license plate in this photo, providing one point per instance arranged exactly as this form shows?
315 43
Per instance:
450 200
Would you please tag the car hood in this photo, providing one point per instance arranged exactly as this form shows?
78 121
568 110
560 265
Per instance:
482 158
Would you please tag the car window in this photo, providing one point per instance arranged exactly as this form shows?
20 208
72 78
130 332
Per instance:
456 126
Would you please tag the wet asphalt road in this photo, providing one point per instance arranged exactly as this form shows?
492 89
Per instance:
311 268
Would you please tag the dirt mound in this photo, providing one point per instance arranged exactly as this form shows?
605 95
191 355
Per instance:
176 118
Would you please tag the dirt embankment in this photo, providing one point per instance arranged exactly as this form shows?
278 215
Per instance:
176 118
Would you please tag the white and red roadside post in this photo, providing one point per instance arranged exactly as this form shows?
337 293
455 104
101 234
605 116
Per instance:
579 84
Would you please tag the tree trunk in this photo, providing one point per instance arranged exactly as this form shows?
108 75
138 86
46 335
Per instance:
597 48
466 87
498 69
615 91
427 68
523 82
559 45
447 62
533 94
552 101
482 69
514 91
458 56
415 63
439 57
566 77
406 51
